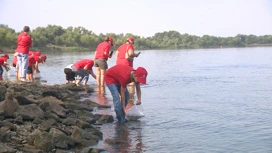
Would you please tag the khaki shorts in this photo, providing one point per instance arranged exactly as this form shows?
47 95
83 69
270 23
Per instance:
101 63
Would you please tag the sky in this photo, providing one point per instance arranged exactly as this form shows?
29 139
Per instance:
223 18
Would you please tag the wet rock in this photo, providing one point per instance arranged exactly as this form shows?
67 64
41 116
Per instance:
42 140
8 106
79 135
7 126
47 124
40 118
106 119
3 90
61 140
69 121
53 105
19 120
31 149
92 150
29 112
6 149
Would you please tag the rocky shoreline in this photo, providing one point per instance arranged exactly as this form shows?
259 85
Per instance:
37 118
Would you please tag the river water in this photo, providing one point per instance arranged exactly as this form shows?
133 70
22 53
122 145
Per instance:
203 100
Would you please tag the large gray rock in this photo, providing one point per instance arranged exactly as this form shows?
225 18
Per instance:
61 140
6 149
42 140
3 90
8 106
54 105
29 112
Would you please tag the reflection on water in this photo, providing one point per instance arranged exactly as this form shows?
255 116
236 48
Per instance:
100 96
117 137
123 137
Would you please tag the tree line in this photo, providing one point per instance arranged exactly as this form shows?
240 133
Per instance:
57 37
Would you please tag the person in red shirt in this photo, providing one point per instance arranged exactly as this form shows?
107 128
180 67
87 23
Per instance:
33 62
23 46
37 53
15 65
125 55
101 56
3 62
117 78
80 70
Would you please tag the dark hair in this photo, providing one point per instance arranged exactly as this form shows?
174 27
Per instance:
26 29
107 39
130 42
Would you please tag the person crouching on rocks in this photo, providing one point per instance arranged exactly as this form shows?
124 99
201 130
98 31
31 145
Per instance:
79 72
117 78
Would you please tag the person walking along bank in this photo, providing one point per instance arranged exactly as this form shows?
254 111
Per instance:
117 78
23 45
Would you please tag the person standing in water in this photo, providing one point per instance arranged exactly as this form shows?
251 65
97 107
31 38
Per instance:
117 78
125 56
101 56
24 44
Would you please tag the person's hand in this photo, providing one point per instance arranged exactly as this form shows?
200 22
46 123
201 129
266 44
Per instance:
7 68
138 54
138 102
124 110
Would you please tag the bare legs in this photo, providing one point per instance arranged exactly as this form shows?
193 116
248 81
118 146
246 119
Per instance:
98 74
100 77
131 90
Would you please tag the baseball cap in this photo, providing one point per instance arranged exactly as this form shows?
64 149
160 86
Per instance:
131 39
44 57
6 55
111 40
141 75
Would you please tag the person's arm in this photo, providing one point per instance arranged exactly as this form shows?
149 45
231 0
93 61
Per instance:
138 93
92 74
116 55
6 66
131 53
123 90
36 67
107 52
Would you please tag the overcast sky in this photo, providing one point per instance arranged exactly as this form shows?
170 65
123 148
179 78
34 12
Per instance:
143 17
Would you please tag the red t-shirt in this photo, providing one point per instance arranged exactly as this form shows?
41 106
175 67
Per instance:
38 53
24 43
101 48
119 74
3 60
121 58
32 60
85 62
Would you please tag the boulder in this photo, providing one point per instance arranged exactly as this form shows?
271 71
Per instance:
29 112
8 106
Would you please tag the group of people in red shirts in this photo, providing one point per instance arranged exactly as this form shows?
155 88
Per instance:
117 77
25 61
34 58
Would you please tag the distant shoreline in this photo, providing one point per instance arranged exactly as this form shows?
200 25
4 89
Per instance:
82 49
